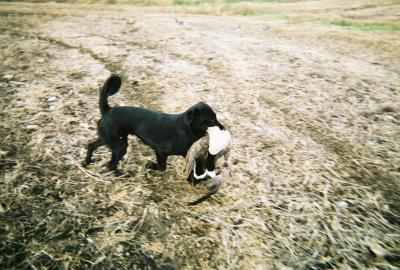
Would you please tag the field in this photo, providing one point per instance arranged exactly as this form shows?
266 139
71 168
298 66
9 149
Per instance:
310 91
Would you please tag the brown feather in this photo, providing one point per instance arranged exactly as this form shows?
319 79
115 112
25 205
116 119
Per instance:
200 150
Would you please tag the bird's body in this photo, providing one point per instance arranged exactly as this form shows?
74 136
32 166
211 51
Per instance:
200 149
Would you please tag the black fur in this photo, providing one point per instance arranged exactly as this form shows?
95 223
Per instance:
167 134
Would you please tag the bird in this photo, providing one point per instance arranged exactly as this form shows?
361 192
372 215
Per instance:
200 149
179 21
238 28
265 28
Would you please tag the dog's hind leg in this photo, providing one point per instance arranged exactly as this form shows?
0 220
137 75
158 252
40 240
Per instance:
162 161
91 147
118 149
161 164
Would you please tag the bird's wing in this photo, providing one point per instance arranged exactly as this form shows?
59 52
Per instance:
198 149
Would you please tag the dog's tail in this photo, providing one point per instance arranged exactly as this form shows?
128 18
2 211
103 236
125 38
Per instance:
110 87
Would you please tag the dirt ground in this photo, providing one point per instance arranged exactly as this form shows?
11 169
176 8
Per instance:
314 110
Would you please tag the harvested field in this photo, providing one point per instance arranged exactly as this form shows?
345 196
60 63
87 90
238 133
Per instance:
310 92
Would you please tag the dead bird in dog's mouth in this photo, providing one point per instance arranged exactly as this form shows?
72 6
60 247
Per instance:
211 153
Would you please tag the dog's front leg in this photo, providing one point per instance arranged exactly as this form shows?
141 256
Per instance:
198 173
161 164
210 165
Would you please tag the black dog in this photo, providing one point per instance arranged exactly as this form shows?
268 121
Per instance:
167 134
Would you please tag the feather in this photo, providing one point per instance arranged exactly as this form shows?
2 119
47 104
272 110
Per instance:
200 149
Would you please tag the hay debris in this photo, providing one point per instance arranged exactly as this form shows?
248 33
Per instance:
313 183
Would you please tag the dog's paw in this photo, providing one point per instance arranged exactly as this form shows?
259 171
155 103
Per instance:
89 161
86 162
191 179
152 166
121 174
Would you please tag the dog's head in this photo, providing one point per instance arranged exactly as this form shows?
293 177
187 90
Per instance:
200 117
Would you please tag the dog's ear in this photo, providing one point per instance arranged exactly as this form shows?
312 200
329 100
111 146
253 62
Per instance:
190 115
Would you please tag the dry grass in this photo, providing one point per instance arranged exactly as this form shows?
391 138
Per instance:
314 112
